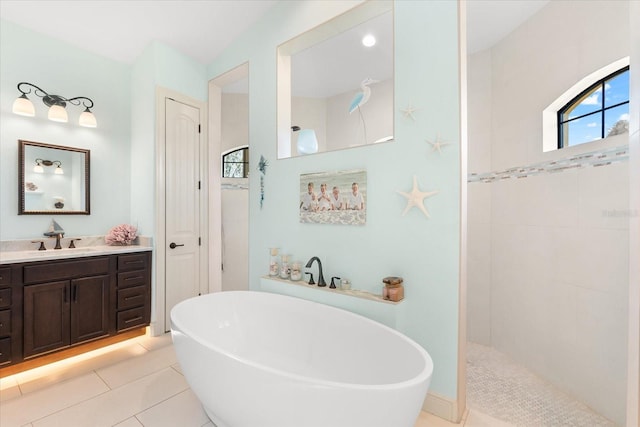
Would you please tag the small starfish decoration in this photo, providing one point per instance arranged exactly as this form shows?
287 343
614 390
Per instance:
438 144
408 111
416 198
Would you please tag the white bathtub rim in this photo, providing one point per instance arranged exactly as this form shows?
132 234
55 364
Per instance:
423 377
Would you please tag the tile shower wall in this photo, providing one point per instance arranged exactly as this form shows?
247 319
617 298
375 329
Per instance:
548 248
559 276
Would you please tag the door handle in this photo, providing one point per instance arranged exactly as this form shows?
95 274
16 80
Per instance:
173 245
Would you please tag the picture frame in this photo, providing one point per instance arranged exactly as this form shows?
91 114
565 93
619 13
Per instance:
338 197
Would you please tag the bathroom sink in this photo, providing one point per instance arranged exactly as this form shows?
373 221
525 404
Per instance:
16 256
9 257
81 250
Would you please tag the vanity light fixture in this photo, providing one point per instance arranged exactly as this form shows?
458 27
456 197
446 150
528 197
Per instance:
56 103
38 167
40 162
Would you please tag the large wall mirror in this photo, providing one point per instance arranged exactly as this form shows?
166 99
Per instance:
335 83
52 179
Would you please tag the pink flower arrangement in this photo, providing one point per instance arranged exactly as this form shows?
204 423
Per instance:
123 234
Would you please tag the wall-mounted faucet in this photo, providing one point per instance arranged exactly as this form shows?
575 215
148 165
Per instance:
321 281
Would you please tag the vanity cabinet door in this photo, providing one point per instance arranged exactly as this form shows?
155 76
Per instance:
46 317
89 308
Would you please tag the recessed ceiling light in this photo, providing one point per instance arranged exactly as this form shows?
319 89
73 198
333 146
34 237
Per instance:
368 40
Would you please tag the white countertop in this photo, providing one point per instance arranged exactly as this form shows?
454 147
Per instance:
12 257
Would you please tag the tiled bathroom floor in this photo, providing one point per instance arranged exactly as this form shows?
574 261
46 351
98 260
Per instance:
498 386
131 384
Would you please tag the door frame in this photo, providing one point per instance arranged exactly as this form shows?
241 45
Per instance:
215 170
159 296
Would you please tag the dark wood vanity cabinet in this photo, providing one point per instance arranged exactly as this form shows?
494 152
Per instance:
64 303
134 291
5 316
59 314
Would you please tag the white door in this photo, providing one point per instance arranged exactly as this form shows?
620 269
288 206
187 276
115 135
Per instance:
182 211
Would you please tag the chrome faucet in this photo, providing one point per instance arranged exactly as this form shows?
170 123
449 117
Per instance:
321 281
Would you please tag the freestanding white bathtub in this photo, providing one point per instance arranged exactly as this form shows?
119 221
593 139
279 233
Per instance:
256 359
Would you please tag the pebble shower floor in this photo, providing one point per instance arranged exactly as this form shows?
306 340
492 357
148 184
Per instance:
502 389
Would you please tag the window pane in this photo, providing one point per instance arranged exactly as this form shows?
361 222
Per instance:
588 103
235 164
616 120
582 130
235 156
616 90
233 170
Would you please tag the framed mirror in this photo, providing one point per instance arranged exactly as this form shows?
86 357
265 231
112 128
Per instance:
52 179
335 83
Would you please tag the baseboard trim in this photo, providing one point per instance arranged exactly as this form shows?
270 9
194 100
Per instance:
441 406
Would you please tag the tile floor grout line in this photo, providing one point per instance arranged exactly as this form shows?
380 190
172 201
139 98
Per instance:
156 404
19 383
73 404
102 379
100 394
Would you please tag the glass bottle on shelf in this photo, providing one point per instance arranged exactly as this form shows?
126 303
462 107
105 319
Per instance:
284 266
296 270
274 265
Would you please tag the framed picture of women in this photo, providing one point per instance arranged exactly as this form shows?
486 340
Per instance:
334 197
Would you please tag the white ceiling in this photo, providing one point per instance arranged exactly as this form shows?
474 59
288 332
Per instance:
120 29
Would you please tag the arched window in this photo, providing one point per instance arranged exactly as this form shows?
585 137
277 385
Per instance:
600 111
235 164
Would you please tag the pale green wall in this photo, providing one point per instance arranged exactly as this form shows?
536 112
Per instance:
158 65
62 69
423 251
122 146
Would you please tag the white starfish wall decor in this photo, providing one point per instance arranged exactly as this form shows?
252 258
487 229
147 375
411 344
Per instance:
416 198
408 111
437 144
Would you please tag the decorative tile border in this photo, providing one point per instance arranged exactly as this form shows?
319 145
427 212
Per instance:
227 186
593 159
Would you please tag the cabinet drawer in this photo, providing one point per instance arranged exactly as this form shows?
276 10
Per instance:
49 272
5 323
130 318
5 298
5 276
132 297
132 278
132 262
5 350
